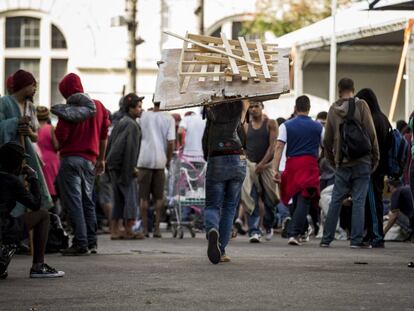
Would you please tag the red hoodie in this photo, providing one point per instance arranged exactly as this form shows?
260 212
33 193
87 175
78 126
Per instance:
81 139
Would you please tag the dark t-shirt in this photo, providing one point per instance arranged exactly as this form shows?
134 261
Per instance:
402 200
12 190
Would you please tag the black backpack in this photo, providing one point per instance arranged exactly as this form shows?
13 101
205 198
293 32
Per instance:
355 139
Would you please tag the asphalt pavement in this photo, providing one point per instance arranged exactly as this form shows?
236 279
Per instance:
173 274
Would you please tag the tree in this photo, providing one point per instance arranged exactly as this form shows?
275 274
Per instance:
283 16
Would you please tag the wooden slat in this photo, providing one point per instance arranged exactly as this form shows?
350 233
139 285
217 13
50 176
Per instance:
187 78
216 78
180 64
210 49
236 52
203 70
200 74
246 54
233 64
216 40
263 60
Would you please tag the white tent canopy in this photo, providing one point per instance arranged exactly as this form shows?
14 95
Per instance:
284 106
351 24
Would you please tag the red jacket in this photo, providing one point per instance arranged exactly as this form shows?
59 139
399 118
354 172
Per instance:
301 174
81 139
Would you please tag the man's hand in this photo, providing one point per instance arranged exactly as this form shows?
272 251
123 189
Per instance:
99 167
28 171
24 120
25 130
260 167
135 172
277 178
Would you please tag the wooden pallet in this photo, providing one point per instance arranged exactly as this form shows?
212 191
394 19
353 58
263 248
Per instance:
205 57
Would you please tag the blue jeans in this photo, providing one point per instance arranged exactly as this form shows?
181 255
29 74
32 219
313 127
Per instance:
354 181
300 210
76 182
270 217
224 179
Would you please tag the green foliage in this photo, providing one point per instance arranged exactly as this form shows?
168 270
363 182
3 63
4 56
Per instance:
283 16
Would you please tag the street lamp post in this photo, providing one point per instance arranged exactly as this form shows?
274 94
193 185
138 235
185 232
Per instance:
332 63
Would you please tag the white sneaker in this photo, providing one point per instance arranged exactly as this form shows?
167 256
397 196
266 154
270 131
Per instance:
294 241
255 238
269 234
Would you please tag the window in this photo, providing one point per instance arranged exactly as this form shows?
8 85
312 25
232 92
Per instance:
22 32
216 33
31 65
58 40
25 48
59 69
236 30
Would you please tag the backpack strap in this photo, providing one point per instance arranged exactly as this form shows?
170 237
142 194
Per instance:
351 109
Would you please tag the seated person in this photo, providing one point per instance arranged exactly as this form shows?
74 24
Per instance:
13 190
402 210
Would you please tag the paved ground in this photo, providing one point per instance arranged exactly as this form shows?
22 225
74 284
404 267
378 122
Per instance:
172 274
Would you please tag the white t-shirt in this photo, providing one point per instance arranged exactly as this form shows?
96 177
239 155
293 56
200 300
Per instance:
157 129
194 128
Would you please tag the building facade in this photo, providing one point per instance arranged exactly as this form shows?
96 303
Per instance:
53 37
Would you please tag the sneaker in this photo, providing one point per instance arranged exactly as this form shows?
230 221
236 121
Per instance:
93 249
285 226
360 245
378 244
213 250
46 272
75 251
157 234
225 258
269 234
325 245
6 255
255 238
239 226
294 241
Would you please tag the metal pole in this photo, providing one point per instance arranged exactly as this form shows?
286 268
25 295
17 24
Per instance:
131 7
332 63
200 13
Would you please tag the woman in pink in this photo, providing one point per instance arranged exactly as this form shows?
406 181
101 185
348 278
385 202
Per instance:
48 145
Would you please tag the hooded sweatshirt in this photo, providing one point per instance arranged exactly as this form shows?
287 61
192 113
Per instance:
383 127
332 141
81 139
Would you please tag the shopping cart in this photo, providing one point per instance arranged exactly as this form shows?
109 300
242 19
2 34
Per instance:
186 194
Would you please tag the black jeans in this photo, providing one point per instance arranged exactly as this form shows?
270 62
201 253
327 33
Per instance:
374 209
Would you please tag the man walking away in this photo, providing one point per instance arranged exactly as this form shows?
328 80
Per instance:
261 134
226 169
83 147
300 180
122 157
374 208
157 146
352 173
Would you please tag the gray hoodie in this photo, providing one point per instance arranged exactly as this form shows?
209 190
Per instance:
332 140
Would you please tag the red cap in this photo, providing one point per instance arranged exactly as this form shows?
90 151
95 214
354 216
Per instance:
70 84
21 79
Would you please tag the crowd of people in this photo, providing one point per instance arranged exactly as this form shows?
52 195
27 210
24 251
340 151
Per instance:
264 175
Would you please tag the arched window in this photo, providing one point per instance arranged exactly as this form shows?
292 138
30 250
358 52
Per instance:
35 44
232 26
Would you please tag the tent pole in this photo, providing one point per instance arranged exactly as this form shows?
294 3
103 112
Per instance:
332 63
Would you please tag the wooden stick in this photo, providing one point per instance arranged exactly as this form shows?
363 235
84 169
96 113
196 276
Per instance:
211 49
215 40
263 60
247 56
233 64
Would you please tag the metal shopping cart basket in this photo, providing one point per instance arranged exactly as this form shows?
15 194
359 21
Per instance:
186 194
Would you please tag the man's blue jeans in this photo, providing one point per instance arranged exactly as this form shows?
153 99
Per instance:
224 179
352 181
269 218
76 182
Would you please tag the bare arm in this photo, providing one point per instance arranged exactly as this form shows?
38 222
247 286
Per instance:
170 150
100 161
273 133
393 215
55 142
280 145
180 136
